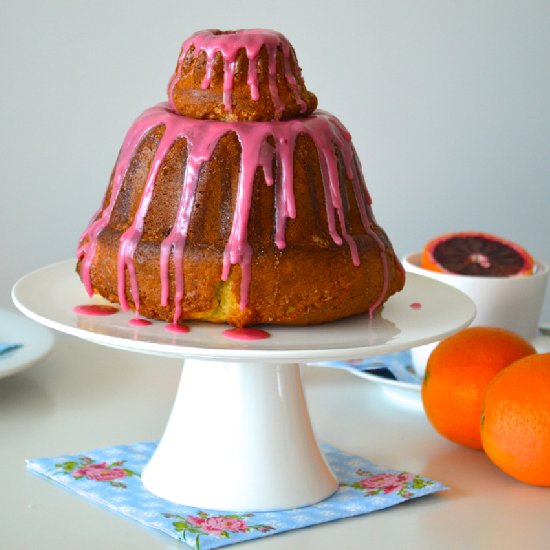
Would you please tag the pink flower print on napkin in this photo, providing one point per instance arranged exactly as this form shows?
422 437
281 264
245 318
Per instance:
85 468
192 527
99 472
215 525
400 483
386 483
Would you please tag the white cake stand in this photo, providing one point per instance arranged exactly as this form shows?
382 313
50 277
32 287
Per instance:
239 437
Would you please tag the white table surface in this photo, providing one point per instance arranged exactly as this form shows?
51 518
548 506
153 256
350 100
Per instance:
84 396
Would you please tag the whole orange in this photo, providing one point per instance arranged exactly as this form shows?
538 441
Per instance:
457 374
515 424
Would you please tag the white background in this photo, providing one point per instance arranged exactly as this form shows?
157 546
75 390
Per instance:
447 101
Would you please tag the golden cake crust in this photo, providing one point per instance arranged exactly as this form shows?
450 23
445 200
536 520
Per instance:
279 293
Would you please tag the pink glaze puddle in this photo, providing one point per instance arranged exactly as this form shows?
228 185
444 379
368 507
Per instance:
246 333
180 329
139 322
95 310
416 305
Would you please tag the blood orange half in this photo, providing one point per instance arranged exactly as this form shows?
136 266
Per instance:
477 254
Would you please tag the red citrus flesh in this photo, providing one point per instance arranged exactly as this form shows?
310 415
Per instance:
476 254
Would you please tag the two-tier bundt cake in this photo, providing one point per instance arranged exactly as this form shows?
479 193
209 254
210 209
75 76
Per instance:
237 201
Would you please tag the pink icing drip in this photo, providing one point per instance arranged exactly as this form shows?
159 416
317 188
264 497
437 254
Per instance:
329 209
198 152
329 167
341 137
237 250
285 205
205 84
139 322
132 236
252 79
416 305
266 161
88 240
290 78
272 76
228 45
95 310
228 75
246 334
179 329
202 136
363 202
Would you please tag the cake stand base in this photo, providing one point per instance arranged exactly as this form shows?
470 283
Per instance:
239 438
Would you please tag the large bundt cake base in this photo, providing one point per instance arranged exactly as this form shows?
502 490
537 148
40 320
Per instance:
304 269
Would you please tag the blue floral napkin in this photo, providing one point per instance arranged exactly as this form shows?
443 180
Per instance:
111 477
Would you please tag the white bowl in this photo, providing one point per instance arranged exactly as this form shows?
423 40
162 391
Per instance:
514 303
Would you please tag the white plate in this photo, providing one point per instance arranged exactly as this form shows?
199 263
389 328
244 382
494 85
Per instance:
49 295
36 340
406 385
407 393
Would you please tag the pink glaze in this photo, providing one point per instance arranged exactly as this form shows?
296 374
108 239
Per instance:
139 322
228 45
246 333
416 305
332 141
175 327
95 310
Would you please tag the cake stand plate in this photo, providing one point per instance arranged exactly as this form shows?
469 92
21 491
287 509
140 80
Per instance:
239 436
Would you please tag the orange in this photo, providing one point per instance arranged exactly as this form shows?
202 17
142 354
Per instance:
476 254
457 374
515 426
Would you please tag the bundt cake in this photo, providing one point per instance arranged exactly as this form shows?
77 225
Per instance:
237 201
247 75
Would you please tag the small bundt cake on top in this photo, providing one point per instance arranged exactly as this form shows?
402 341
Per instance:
237 201
243 75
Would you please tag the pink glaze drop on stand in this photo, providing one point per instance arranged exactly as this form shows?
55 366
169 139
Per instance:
95 310
175 327
416 305
246 333
139 322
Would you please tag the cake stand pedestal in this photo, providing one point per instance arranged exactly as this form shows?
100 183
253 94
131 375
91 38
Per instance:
239 437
